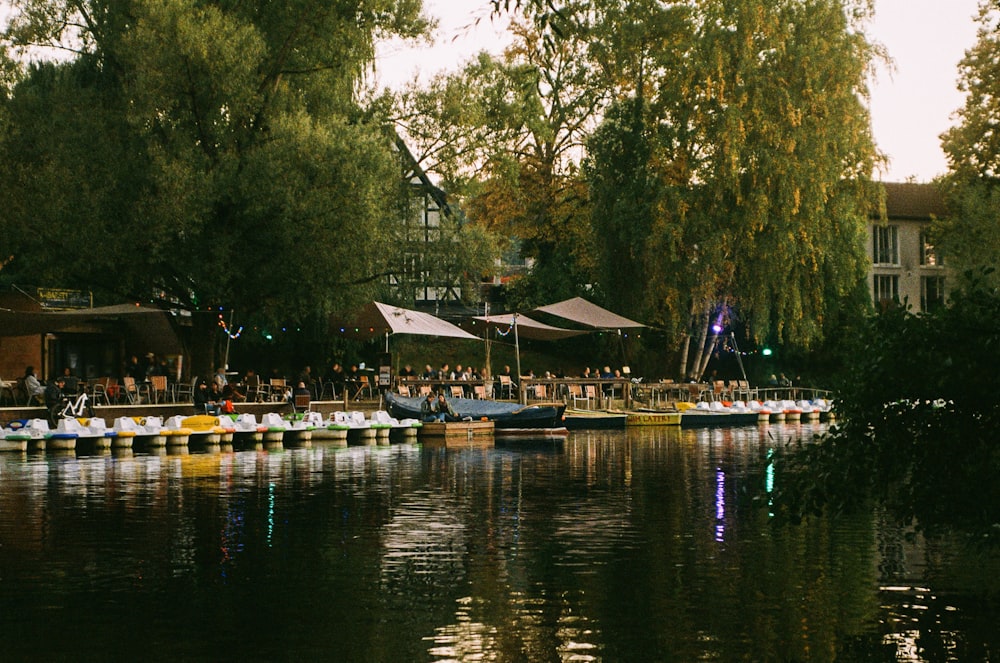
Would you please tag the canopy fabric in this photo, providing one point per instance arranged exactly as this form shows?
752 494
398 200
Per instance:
529 328
583 312
27 323
378 319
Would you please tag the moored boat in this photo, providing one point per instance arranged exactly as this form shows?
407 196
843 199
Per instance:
652 418
594 420
13 440
503 414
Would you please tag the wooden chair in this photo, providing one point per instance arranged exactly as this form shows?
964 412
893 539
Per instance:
424 390
134 391
403 389
457 391
479 391
364 387
302 402
695 392
184 392
257 390
506 385
276 389
578 395
541 392
158 388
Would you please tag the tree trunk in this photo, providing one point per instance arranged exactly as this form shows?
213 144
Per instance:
685 346
204 330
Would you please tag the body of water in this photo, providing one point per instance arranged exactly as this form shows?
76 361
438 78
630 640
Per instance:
648 545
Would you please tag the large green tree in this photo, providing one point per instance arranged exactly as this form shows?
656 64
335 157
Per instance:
747 129
970 237
213 153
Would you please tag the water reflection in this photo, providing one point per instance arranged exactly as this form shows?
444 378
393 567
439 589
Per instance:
638 545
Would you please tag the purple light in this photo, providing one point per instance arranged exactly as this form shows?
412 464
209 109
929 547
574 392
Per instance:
717 328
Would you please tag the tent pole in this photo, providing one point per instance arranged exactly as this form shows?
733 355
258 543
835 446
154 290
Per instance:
517 351
488 367
739 360
229 337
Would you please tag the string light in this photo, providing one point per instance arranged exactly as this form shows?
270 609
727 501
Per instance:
229 332
510 328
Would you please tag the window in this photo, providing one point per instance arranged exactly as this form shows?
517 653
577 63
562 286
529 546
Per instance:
885 245
931 292
886 289
929 255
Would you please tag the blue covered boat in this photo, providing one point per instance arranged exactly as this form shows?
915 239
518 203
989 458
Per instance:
501 413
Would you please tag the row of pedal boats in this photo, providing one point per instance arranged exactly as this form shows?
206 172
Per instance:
701 414
749 412
178 430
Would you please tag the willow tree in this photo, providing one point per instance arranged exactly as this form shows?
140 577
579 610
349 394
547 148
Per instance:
207 153
760 147
971 236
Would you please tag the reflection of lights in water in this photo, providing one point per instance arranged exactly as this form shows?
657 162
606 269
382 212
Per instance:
903 614
424 542
465 640
575 637
769 482
720 505
270 512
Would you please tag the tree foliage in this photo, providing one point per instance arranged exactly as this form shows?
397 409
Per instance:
506 134
970 237
757 149
919 428
212 152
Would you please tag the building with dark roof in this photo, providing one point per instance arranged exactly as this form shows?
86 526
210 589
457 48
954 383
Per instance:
905 265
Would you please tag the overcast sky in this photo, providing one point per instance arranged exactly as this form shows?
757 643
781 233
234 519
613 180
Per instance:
910 108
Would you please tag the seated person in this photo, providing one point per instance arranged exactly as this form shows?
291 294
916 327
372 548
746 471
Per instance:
72 383
231 392
34 388
54 398
300 394
428 409
205 401
446 412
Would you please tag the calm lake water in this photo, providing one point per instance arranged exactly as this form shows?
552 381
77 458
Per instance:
612 546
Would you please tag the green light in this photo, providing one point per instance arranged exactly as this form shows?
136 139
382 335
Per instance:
766 352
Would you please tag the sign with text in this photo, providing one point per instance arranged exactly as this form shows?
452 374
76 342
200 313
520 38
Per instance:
59 298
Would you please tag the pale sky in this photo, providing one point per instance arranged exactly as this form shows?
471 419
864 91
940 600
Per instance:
910 108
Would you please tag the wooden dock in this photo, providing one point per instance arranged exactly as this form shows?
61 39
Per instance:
457 434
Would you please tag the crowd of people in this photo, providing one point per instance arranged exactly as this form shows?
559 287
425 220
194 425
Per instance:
220 392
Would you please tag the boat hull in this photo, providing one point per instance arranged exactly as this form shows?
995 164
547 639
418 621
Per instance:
594 420
502 414
654 418
700 419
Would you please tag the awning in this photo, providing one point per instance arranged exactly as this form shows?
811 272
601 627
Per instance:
527 327
28 323
377 319
581 311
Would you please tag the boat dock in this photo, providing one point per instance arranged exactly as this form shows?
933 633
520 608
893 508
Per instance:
457 434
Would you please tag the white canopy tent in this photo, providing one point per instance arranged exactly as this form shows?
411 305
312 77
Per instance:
378 319
581 311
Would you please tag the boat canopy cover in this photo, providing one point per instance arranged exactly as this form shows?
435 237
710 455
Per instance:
580 310
528 328
378 319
